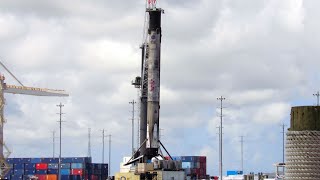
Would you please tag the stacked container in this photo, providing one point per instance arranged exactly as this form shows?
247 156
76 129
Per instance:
194 166
75 168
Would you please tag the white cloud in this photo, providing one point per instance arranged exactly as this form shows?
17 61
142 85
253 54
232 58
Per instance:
271 113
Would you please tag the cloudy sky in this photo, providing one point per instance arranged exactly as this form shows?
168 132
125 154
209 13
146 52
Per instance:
262 56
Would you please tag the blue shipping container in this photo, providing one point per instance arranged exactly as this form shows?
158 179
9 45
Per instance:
176 158
65 177
28 177
41 171
16 177
29 171
50 160
66 160
18 166
75 177
53 171
18 172
96 166
25 160
79 160
9 160
97 171
234 173
11 171
65 165
76 165
29 166
35 160
65 171
53 166
104 166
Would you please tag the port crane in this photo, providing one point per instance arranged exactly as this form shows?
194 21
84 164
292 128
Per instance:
13 89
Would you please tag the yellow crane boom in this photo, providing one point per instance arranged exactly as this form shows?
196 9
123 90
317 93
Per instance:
33 91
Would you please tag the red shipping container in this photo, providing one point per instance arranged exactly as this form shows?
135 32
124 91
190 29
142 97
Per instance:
198 171
76 172
41 177
94 177
203 165
202 172
203 159
42 166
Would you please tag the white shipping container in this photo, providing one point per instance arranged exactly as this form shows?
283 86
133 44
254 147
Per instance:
169 175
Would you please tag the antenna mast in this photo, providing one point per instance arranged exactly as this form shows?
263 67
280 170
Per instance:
89 142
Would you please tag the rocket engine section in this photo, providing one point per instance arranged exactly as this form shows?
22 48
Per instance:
153 106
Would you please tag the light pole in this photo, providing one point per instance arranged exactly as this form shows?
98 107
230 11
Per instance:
60 121
133 103
221 164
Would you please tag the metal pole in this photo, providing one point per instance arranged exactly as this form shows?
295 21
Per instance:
102 146
241 153
221 159
109 164
283 141
60 120
53 134
132 102
89 142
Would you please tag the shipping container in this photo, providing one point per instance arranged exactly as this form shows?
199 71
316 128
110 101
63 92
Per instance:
35 160
18 166
41 171
93 177
16 177
52 177
41 177
65 171
76 165
202 159
8 176
65 166
187 171
50 160
75 177
53 166
10 172
96 166
76 160
76 171
25 160
186 165
29 171
234 172
9 160
27 177
53 171
18 172
65 177
41 166
29 166
97 171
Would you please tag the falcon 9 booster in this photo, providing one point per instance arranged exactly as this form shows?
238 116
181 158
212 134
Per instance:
153 47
